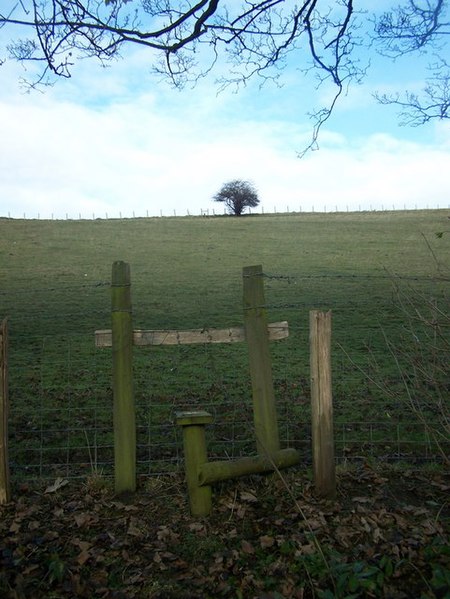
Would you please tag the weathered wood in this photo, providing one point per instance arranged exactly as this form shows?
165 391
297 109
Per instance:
276 330
122 351
212 472
4 408
255 321
193 418
322 404
193 423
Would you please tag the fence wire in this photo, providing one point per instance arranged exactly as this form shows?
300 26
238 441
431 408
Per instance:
60 384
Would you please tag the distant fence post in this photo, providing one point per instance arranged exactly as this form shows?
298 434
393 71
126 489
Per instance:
255 323
122 351
4 465
322 403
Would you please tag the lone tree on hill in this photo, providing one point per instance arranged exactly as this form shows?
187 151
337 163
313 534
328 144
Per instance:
237 196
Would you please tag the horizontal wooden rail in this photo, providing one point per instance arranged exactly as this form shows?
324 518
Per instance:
276 330
213 472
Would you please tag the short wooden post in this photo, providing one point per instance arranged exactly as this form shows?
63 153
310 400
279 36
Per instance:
322 403
122 350
4 465
255 322
195 455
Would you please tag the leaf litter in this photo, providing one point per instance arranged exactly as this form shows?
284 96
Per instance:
385 535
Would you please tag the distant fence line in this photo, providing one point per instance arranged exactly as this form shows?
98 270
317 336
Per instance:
213 212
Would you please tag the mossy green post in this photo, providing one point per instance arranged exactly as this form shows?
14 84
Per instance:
195 455
122 350
255 323
213 472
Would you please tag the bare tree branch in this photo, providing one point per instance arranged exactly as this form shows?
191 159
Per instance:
187 37
412 27
416 27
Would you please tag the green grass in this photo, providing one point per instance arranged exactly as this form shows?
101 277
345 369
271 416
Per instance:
186 273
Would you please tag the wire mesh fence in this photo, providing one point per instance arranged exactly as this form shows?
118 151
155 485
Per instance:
60 383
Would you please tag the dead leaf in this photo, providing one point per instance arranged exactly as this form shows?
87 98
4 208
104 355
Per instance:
163 533
158 560
135 578
83 545
15 527
266 541
133 528
247 547
246 496
83 557
50 535
308 549
197 527
84 519
313 523
377 536
241 511
58 484
27 571
365 525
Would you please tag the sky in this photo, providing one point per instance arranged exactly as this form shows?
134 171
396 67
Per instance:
118 142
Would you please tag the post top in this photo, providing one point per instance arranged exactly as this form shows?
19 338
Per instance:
193 417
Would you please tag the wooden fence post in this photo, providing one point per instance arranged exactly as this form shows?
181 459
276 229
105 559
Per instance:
122 352
255 323
4 465
322 403
195 455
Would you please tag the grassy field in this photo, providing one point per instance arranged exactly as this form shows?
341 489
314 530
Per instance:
186 273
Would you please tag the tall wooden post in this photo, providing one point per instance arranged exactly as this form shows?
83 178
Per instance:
322 403
122 350
4 465
255 323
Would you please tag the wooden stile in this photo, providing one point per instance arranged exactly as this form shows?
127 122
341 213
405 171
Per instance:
256 332
4 408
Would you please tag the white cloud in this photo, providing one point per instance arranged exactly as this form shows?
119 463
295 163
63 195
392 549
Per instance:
103 146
